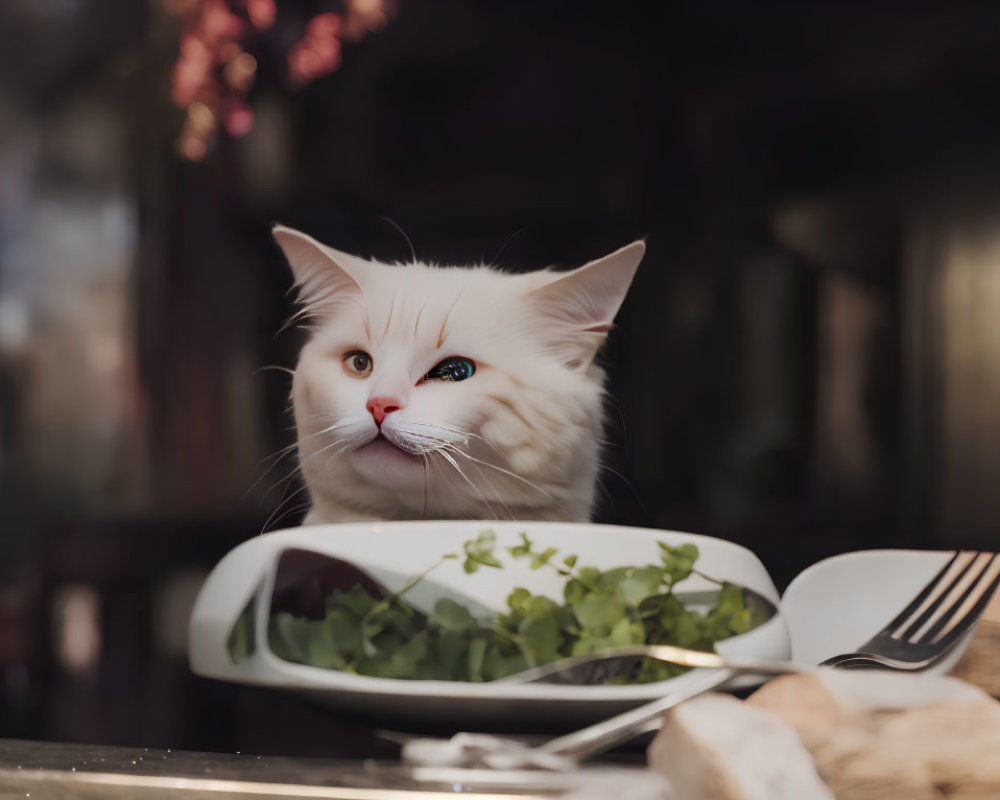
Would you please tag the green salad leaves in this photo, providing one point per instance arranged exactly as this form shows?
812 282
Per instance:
387 638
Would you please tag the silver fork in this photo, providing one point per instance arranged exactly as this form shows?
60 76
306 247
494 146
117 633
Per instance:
935 621
923 633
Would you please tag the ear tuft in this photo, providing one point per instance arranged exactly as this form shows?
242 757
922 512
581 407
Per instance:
579 306
323 276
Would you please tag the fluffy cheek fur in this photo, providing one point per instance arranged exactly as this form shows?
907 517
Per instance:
329 406
497 445
545 425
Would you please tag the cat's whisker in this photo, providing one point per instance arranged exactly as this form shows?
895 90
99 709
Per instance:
426 461
455 435
296 470
490 445
438 426
447 457
274 485
282 509
337 425
495 491
283 453
334 454
399 228
468 434
511 238
275 367
339 452
343 423
622 478
508 473
277 457
294 319
419 442
289 512
442 444
600 487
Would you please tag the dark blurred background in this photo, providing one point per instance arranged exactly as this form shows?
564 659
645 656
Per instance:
808 363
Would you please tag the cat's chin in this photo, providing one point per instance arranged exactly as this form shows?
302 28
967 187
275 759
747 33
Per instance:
380 453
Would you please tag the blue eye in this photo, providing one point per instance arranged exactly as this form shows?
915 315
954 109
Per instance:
453 368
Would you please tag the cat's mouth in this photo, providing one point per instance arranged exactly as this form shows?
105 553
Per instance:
383 447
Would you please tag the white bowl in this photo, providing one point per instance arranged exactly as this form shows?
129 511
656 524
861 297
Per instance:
840 602
390 550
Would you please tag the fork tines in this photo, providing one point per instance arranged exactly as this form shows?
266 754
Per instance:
950 602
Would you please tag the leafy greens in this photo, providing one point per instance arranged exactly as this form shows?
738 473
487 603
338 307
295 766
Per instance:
387 638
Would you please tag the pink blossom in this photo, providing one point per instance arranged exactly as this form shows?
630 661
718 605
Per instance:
262 13
218 22
324 25
215 70
239 118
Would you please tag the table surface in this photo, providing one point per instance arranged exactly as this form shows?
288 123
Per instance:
87 772
50 770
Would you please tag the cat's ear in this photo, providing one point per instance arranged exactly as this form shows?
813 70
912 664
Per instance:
323 276
579 306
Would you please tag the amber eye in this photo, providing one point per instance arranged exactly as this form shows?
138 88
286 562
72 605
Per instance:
358 364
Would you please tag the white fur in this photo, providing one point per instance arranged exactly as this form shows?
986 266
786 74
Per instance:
520 439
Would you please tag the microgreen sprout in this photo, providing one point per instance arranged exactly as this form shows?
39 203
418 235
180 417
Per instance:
599 609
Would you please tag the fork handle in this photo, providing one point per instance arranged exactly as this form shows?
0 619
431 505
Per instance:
607 734
611 732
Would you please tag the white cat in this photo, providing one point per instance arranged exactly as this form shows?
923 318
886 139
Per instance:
431 392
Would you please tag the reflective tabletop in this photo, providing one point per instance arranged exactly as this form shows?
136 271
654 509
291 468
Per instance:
51 770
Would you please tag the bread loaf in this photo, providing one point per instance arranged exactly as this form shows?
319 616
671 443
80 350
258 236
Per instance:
715 747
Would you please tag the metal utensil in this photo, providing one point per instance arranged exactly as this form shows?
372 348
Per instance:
924 632
595 667
561 753
935 621
564 752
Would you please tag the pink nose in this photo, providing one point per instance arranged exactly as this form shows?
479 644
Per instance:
379 407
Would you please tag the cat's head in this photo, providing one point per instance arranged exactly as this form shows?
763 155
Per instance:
437 392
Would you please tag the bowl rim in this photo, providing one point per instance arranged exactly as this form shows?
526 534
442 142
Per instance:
269 669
